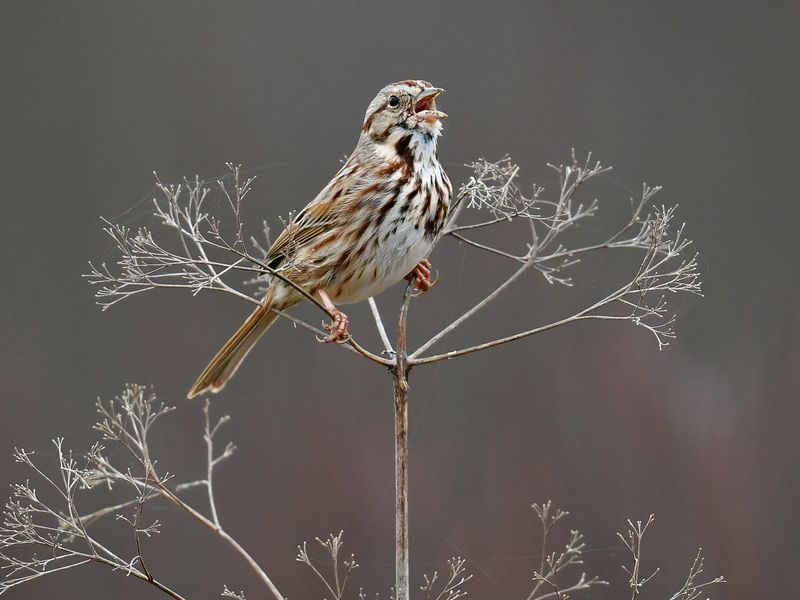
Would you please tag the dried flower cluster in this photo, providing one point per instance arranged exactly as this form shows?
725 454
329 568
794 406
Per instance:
45 532
202 257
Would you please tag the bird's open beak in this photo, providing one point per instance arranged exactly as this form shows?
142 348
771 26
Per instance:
425 104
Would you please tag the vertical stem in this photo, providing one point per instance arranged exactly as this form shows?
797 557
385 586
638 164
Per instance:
209 438
401 487
400 372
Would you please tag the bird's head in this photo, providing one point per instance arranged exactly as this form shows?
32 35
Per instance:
402 107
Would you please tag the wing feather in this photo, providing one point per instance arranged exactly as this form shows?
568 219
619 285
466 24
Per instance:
323 214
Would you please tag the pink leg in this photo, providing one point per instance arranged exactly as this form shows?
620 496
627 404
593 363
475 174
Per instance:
338 328
421 276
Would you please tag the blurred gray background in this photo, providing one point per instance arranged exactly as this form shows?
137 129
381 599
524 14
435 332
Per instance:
701 97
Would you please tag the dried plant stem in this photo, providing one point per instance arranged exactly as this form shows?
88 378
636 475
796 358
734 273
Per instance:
217 528
376 316
208 436
164 491
207 260
135 572
400 384
491 296
579 316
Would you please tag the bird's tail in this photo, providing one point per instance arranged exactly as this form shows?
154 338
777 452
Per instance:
227 360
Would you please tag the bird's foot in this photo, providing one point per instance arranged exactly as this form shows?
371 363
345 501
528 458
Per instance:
337 328
421 277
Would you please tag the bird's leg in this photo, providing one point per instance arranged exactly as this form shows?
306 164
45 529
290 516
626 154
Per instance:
421 276
338 327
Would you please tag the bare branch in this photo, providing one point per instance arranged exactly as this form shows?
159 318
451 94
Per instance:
199 257
200 254
553 565
335 584
211 460
31 521
452 588
376 315
690 590
666 267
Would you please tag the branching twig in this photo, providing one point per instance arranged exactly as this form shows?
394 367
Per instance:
202 258
553 564
690 590
340 568
201 255
633 542
31 521
664 268
211 460
452 589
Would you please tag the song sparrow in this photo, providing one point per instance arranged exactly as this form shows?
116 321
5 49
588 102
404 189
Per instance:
372 225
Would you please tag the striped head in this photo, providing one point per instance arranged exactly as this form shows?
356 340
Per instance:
403 107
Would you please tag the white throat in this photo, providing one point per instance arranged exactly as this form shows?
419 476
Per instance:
423 143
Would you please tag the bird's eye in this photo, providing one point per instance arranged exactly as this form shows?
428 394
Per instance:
394 101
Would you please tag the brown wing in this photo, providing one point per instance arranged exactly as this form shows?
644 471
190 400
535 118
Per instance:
328 210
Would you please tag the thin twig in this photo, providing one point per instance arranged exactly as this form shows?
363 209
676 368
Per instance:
376 315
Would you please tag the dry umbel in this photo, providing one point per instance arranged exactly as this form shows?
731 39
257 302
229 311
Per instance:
189 248
46 531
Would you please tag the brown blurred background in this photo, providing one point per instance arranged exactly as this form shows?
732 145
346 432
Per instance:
701 97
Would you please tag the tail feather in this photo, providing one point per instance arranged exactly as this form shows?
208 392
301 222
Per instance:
227 360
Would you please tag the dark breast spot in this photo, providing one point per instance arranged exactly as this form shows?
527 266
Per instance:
384 209
431 227
403 149
411 197
436 216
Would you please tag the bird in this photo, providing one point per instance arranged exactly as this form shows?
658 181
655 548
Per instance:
371 226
